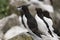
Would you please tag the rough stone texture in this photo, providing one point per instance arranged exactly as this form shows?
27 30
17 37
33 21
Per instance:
12 20
9 21
1 34
56 20
22 37
17 3
56 4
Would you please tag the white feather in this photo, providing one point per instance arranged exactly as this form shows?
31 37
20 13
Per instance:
20 20
48 38
50 22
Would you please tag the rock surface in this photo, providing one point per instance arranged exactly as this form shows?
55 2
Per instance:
22 37
9 21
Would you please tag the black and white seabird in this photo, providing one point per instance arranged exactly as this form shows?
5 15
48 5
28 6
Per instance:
30 23
42 24
48 19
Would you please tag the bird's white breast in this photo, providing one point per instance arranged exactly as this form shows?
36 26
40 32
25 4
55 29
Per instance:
20 20
41 25
50 22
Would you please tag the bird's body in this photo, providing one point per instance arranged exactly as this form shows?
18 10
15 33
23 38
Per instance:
44 15
50 23
30 23
42 24
34 36
21 22
48 19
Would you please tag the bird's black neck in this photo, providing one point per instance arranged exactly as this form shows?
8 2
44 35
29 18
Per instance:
39 12
46 14
21 12
26 11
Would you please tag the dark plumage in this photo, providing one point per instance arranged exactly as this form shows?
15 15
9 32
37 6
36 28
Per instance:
57 32
46 14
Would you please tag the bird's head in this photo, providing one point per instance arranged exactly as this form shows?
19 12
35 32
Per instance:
39 10
22 7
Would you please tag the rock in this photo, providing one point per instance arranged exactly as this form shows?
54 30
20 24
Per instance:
56 20
17 3
56 4
1 35
14 31
12 20
7 22
32 10
22 37
2 22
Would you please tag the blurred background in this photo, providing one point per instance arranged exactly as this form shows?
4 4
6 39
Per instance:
7 7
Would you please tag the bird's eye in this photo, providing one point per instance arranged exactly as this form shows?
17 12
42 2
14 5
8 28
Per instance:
40 0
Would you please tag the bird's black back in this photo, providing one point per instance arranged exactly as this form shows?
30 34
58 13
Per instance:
39 12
